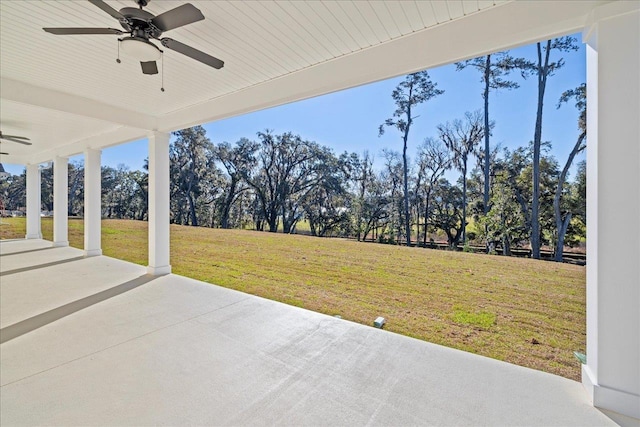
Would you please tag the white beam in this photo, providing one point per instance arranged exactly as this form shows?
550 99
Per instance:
121 135
34 230
159 252
612 372
60 201
23 93
92 203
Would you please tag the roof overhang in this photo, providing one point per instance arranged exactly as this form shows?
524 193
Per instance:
67 93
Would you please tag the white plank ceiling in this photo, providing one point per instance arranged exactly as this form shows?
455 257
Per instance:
49 82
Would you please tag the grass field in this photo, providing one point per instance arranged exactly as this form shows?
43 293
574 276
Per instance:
527 312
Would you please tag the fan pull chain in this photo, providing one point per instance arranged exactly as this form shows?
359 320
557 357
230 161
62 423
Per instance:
162 70
118 58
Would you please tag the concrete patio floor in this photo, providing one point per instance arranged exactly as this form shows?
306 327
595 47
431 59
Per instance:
94 341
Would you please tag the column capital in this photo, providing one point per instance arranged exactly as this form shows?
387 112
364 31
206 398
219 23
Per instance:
158 136
603 12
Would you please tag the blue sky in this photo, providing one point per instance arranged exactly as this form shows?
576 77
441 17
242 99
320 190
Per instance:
349 120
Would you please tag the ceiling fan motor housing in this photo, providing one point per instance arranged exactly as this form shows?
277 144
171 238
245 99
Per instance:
138 22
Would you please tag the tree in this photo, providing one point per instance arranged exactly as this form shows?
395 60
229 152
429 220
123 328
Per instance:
415 89
13 191
564 218
327 204
505 222
461 138
391 178
376 206
76 188
518 170
191 161
236 160
493 68
433 162
287 167
447 211
543 68
362 175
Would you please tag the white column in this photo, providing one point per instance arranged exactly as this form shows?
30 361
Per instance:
34 230
60 201
159 204
612 372
92 203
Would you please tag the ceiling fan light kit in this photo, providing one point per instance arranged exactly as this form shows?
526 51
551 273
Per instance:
140 49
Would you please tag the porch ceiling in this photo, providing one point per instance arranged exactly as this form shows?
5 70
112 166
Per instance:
67 93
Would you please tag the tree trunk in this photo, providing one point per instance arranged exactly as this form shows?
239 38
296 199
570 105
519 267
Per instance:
426 216
228 201
563 223
272 220
417 212
487 78
543 70
363 190
407 217
192 210
506 246
562 231
464 202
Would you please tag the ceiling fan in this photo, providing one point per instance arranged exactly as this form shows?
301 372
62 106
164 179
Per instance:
142 26
13 138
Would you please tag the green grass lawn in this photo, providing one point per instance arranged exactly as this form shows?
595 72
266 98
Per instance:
527 312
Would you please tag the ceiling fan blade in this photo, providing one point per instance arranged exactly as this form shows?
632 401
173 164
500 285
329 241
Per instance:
111 11
78 31
14 136
192 53
149 67
3 153
174 18
19 141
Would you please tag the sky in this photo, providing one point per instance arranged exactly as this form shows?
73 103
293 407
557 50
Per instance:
348 120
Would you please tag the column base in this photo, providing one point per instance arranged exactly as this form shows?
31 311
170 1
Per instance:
159 271
610 399
33 236
60 244
92 252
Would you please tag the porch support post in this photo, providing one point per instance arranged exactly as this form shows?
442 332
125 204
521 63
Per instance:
60 201
34 230
611 375
159 204
92 203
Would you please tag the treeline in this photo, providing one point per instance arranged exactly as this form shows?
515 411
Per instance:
278 180
502 199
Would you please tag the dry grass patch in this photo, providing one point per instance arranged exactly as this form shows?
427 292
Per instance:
527 312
